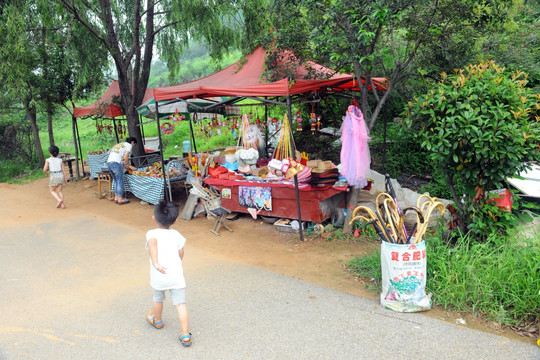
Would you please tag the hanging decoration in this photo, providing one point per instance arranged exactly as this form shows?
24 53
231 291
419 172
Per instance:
312 120
176 117
166 128
319 123
355 155
298 121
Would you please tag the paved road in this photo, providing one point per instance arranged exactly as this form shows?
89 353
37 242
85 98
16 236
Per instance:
78 289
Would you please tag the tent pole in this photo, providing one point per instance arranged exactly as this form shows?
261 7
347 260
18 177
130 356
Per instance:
142 131
163 170
115 131
192 134
79 142
265 129
297 192
73 122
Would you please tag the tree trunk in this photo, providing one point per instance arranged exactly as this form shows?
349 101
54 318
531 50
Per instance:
31 115
50 113
351 204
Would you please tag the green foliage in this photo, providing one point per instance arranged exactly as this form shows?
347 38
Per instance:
369 267
494 279
480 124
14 171
318 146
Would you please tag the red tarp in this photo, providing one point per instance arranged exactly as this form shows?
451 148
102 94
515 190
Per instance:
104 106
245 78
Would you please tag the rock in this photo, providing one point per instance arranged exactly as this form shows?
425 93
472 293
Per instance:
405 197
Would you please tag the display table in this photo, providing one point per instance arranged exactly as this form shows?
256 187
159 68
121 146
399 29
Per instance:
146 188
94 163
316 204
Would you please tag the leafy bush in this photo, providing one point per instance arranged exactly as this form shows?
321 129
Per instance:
496 278
480 125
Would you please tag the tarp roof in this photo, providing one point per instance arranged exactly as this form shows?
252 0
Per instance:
245 78
167 108
104 105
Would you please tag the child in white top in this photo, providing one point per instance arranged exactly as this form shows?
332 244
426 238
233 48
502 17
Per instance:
166 250
56 177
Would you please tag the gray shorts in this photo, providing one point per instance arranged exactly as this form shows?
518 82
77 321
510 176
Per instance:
178 296
56 178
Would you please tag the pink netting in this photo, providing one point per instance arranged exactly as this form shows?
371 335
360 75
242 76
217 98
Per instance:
355 156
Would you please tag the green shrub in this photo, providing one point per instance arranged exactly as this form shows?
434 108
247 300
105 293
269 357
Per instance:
479 125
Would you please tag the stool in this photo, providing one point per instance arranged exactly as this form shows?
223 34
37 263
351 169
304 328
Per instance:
105 177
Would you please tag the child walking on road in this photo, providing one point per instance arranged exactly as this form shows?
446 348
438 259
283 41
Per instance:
56 177
166 250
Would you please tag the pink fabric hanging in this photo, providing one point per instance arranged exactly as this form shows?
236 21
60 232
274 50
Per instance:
355 156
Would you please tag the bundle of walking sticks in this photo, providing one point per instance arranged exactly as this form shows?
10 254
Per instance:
389 220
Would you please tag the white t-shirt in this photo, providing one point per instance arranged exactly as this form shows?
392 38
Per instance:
169 242
118 151
55 164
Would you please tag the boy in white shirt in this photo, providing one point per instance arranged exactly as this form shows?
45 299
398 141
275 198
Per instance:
166 249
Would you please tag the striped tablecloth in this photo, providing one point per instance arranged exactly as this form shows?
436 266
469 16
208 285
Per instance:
94 163
147 188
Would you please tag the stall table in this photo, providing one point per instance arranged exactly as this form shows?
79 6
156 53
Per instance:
316 204
95 162
147 188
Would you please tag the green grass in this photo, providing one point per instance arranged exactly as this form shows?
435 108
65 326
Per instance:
498 279
13 172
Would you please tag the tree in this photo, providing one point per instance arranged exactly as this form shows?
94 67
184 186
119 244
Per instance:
480 125
40 66
377 37
129 30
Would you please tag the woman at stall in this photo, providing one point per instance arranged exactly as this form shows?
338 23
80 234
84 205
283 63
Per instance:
117 161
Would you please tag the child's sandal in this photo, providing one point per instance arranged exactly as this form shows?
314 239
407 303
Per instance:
185 340
151 320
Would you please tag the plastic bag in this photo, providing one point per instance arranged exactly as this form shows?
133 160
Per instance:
404 277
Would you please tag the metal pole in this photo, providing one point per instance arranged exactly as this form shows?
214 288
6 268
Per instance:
192 134
163 170
115 130
296 191
73 122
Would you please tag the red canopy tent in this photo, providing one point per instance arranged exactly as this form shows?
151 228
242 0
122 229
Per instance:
246 78
105 106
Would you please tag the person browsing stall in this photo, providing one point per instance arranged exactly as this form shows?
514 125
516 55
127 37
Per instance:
118 159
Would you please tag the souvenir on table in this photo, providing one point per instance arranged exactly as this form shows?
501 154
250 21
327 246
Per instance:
283 154
255 197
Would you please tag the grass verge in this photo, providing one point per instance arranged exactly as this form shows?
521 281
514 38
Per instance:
498 279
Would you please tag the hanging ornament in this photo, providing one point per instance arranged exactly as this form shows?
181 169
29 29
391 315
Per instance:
176 117
299 122
166 128
319 123
312 120
233 129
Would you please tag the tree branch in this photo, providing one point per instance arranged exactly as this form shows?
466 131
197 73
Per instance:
90 28
165 26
